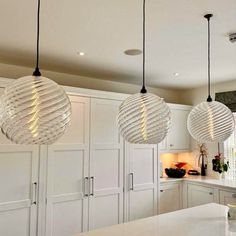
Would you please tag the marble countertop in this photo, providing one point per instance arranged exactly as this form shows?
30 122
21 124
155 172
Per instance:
204 180
206 220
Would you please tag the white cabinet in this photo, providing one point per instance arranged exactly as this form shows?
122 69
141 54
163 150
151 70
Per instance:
67 168
141 181
178 138
199 195
170 197
106 165
85 171
227 197
19 187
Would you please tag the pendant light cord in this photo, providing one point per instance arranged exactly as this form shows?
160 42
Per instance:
143 90
37 72
208 16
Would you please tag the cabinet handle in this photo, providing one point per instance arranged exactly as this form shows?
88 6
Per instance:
92 184
86 186
234 195
131 181
210 193
34 193
161 191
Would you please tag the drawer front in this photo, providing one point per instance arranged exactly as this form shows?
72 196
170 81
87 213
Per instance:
227 197
170 198
199 195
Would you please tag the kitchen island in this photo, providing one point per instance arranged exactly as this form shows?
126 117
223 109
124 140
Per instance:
206 220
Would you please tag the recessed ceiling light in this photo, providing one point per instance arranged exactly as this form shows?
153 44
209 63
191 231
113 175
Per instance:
133 52
176 74
81 53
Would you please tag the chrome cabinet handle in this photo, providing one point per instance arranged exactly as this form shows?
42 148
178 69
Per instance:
86 186
92 184
131 181
34 193
234 195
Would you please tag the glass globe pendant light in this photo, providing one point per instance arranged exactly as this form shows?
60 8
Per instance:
210 121
34 109
143 118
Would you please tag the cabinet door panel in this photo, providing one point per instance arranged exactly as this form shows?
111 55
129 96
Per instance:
199 195
18 172
170 198
141 180
105 210
178 137
106 165
78 129
67 218
67 167
227 197
67 205
142 203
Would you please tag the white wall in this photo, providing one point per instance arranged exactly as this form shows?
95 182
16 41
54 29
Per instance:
12 71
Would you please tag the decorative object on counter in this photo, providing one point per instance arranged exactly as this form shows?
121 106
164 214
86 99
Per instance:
218 163
144 117
175 172
34 109
180 165
193 172
202 159
210 121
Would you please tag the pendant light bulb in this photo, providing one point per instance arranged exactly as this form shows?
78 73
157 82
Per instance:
210 121
143 118
34 109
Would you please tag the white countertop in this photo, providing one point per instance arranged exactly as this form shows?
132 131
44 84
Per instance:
203 180
205 220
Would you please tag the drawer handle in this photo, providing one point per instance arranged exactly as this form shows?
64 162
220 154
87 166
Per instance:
234 195
211 193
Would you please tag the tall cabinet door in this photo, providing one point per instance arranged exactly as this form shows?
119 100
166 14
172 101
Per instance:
106 165
67 172
19 186
141 181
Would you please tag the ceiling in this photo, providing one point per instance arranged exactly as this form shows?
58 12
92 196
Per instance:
104 29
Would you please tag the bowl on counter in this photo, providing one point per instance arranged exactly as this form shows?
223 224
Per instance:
175 172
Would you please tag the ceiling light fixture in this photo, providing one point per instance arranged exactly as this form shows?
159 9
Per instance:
82 53
176 74
210 121
34 109
143 117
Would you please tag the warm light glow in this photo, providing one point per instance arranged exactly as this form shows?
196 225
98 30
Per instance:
82 53
143 121
34 110
144 118
210 122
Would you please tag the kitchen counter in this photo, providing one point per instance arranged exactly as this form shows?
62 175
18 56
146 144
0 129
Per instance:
203 180
205 220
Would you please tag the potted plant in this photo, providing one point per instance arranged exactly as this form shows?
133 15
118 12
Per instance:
219 164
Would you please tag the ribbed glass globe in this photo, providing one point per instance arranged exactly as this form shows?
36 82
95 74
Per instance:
144 118
34 110
210 122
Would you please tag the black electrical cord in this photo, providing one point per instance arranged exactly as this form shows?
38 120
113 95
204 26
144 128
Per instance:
37 72
208 17
143 90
